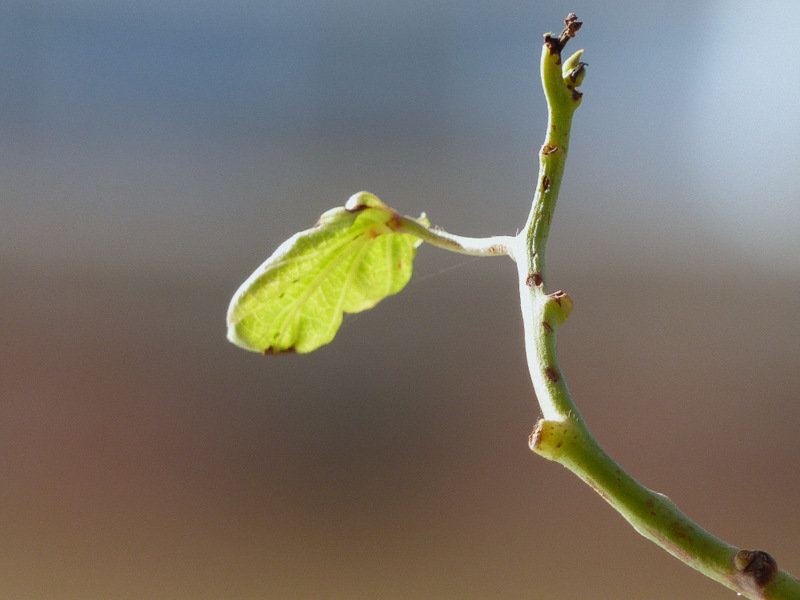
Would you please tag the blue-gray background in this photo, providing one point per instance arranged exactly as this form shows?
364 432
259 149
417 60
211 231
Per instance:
152 153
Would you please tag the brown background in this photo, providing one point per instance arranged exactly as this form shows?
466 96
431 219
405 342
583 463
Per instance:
153 159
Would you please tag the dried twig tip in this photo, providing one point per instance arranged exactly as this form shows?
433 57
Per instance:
571 27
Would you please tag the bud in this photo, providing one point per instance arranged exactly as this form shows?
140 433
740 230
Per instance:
573 70
558 306
363 200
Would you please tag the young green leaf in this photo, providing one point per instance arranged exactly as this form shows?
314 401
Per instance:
348 262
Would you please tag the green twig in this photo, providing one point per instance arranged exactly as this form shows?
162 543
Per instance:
561 435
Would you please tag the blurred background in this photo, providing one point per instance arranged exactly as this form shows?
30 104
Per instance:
155 152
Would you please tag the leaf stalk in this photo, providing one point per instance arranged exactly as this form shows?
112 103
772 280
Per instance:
497 245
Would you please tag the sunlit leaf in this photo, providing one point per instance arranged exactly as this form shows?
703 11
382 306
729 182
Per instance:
348 262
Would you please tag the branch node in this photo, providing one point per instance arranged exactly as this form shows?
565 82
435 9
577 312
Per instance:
535 439
534 279
552 374
759 565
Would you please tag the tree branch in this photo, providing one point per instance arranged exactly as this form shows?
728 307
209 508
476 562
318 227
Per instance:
562 435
